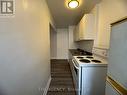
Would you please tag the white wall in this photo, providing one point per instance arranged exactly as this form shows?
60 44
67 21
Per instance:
86 45
53 43
62 44
109 12
25 49
72 44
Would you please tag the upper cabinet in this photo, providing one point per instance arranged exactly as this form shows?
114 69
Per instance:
85 28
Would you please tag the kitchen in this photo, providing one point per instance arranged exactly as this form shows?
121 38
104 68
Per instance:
87 36
26 36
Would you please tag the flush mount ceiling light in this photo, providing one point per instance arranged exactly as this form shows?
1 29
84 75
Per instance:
73 4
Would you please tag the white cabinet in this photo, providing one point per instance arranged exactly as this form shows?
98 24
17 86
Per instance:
85 28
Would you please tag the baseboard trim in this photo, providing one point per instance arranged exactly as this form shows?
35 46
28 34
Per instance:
47 86
53 58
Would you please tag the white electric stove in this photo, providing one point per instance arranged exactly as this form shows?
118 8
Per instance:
92 60
89 74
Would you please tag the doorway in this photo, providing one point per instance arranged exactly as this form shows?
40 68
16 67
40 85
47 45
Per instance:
53 42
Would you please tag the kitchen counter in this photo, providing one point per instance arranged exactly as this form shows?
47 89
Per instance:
75 52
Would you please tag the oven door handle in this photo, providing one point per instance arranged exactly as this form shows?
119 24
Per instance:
74 64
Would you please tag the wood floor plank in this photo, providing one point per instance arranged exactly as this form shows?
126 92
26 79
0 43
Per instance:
62 82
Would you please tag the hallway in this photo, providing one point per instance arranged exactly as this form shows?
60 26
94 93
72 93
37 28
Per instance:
61 83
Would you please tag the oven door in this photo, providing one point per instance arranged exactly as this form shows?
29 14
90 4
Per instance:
76 76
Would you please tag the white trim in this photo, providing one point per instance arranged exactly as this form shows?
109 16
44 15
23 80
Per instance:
53 57
47 86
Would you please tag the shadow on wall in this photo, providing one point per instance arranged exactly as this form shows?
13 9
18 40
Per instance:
2 92
86 45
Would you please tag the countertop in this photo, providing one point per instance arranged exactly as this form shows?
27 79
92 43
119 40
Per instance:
75 52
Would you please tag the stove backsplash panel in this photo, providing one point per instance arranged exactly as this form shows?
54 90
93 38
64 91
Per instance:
100 51
86 45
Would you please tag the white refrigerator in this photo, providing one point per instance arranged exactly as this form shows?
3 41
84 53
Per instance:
117 67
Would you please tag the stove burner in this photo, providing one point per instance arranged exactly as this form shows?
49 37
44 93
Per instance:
96 61
90 57
85 60
80 57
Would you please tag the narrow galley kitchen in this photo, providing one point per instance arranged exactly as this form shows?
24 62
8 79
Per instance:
83 60
67 76
63 47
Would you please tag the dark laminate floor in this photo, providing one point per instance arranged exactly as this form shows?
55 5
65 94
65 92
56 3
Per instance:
61 83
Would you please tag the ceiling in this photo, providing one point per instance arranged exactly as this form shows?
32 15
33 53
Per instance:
63 16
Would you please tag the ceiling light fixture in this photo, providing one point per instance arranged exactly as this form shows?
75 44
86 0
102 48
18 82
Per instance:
73 4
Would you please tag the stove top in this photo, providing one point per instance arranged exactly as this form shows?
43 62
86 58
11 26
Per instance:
80 57
85 60
90 57
91 60
96 61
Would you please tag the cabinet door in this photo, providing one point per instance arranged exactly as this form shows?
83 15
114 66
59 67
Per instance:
89 26
81 30
86 27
